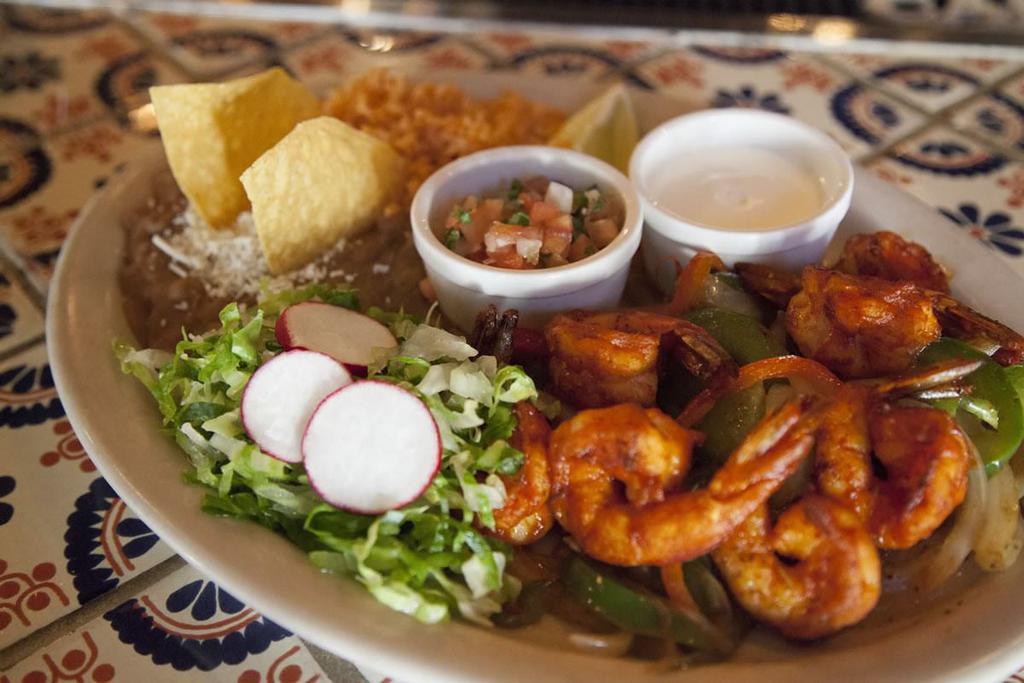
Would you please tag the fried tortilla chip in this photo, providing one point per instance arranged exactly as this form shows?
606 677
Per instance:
323 181
212 132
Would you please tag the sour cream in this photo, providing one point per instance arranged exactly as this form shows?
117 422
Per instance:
738 188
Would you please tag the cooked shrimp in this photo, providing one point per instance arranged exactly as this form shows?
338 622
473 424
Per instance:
813 573
926 459
860 326
616 474
924 455
966 323
842 462
774 284
888 256
600 359
526 515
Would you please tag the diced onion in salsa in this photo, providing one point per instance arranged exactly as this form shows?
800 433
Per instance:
533 223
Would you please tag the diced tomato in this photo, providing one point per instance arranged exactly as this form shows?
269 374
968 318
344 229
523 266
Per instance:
506 257
479 255
490 209
581 248
558 235
503 236
542 212
473 237
602 232
489 230
481 219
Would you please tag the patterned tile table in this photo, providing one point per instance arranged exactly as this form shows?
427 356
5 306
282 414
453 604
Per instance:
87 591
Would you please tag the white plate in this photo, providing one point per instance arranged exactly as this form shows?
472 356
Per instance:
975 634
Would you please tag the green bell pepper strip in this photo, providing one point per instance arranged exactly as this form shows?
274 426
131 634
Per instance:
735 414
526 609
992 383
743 337
729 421
640 612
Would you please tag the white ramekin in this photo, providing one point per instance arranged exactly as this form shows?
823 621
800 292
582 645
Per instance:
669 237
464 287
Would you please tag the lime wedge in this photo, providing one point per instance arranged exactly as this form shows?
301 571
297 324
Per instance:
605 128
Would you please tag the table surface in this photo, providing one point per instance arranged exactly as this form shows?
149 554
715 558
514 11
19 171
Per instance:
87 591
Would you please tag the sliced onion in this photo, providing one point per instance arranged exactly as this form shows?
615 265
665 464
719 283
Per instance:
680 597
721 294
608 644
999 543
940 562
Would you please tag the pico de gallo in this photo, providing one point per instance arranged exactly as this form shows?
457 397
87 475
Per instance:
533 223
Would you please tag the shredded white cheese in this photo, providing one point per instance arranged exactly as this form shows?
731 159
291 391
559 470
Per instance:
229 262
381 269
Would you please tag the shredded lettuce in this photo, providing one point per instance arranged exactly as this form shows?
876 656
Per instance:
429 559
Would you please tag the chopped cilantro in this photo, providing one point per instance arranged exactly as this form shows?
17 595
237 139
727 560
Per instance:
519 218
577 225
514 189
463 216
579 201
451 238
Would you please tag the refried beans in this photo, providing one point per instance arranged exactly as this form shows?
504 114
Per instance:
381 264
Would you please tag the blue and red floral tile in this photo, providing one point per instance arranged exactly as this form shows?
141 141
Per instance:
978 189
20 320
208 47
998 117
42 189
180 628
552 55
60 70
65 536
931 84
859 118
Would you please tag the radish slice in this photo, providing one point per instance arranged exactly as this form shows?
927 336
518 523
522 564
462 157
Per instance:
282 394
342 334
371 447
